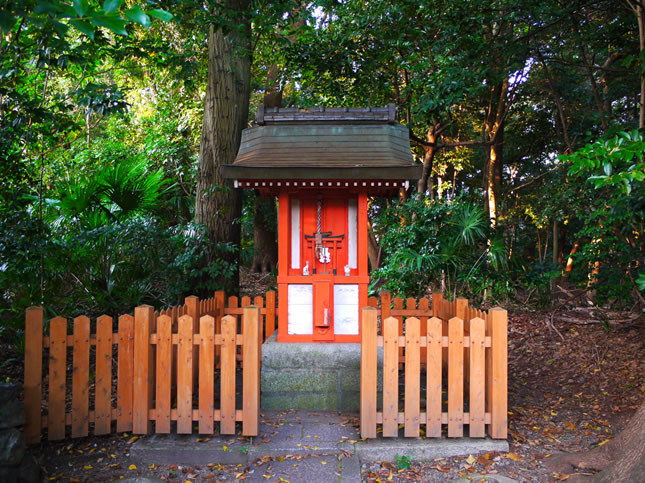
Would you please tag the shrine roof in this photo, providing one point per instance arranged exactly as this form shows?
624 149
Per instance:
325 143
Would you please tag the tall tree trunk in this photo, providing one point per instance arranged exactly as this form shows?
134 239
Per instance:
265 234
494 134
638 7
218 205
265 228
373 250
428 161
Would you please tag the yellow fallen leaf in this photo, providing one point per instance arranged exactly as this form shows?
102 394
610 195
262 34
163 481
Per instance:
471 459
323 462
603 442
88 467
132 467
389 478
225 448
152 466
133 439
514 457
266 476
280 459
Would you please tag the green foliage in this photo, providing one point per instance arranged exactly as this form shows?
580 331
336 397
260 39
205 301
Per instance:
613 161
613 221
427 241
403 462
84 16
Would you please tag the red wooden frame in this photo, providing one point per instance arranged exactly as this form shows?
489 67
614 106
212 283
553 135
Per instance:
286 275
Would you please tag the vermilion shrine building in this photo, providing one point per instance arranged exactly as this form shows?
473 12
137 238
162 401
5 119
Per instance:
322 164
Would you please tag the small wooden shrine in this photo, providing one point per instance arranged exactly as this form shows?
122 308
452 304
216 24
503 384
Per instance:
322 164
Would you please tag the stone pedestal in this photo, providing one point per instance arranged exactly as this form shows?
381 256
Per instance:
310 375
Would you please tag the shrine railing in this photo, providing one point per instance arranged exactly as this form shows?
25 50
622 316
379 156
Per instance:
176 366
454 349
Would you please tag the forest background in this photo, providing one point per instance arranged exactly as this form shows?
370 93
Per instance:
528 118
525 116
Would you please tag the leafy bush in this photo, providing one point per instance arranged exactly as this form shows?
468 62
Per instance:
430 240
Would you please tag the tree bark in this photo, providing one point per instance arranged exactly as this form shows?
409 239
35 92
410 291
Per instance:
218 205
494 133
428 161
265 242
619 460
373 251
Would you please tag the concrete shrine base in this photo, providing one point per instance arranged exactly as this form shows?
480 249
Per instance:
310 375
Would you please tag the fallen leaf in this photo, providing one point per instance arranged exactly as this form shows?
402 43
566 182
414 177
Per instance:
225 448
443 469
514 457
132 467
470 460
323 462
88 467
133 439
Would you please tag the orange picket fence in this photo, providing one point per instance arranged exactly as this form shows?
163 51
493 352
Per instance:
175 365
454 360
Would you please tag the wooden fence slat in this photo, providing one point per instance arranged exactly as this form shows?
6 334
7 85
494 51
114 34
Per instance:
251 370
398 305
433 377
369 372
499 419
164 374
424 308
125 373
103 388
372 302
33 373
185 376
206 371
270 315
386 307
57 376
437 305
220 303
390 377
412 376
461 311
227 375
192 305
476 393
455 378
80 377
246 301
259 302
142 403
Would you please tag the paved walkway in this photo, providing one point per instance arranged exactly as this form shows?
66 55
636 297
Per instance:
301 446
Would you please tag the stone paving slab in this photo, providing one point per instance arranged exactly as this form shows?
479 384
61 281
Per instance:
425 450
306 437
307 469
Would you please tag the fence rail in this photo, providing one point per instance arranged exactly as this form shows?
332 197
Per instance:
147 370
465 357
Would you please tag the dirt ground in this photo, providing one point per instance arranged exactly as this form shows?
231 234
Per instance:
575 378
